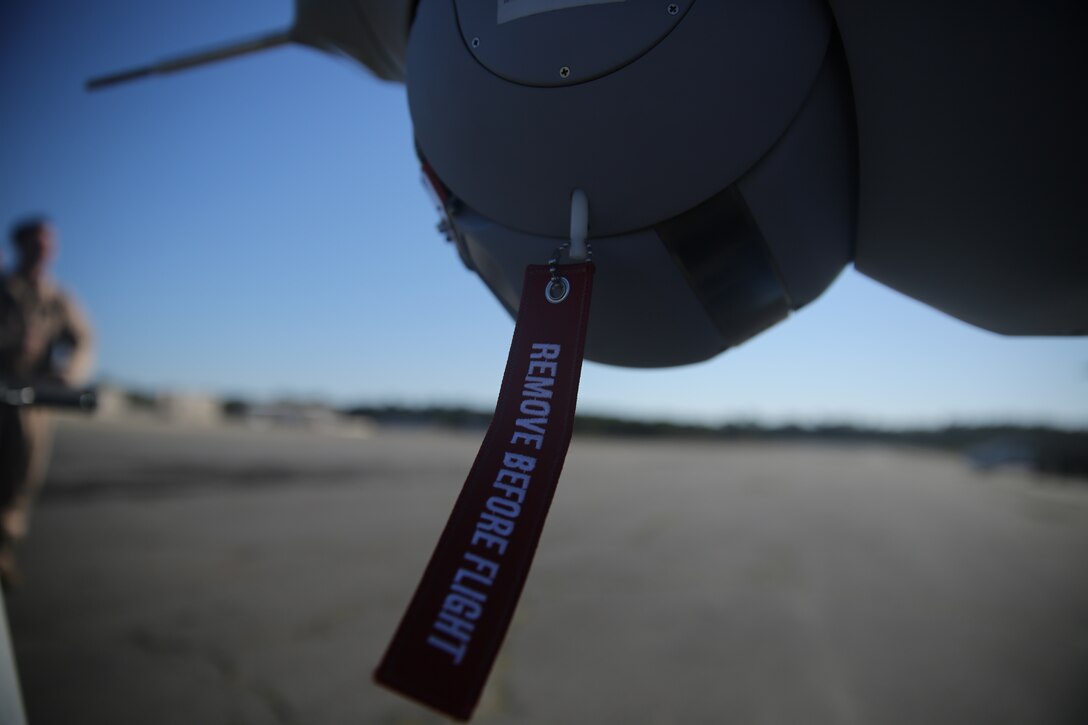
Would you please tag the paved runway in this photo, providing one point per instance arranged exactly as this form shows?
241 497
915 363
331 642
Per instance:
233 576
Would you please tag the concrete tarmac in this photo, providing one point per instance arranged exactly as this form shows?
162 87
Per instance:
226 575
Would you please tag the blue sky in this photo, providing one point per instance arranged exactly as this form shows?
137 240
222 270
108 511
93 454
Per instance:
258 227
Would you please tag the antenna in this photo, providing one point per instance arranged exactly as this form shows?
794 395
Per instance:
212 55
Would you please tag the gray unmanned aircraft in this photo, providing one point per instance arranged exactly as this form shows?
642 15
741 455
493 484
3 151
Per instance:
726 159
729 158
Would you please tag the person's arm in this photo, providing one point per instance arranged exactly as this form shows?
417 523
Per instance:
12 337
78 333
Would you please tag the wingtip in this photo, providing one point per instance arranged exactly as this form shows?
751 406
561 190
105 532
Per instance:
99 82
198 58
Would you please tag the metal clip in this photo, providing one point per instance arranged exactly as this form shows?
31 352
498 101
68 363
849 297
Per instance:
579 225
577 249
558 288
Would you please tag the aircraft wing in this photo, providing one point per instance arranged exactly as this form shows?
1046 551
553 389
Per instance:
373 32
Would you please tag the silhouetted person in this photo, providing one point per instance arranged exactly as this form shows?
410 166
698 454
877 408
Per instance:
44 339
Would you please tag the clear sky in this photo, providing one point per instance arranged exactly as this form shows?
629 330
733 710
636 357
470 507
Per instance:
258 227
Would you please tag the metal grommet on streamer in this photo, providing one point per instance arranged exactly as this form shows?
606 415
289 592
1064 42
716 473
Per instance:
559 287
557 290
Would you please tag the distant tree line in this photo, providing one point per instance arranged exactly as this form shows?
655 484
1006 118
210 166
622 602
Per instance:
1038 447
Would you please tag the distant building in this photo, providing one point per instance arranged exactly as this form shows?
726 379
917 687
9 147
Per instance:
189 408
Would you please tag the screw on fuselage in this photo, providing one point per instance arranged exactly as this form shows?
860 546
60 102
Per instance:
475 42
673 8
564 72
